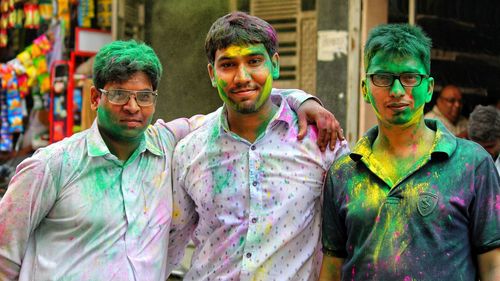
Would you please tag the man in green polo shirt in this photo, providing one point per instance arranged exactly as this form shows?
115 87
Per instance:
412 201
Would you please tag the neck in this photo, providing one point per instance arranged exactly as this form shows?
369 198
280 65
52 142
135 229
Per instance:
404 140
251 125
122 149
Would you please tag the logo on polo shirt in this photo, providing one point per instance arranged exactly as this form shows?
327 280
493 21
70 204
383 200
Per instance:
427 202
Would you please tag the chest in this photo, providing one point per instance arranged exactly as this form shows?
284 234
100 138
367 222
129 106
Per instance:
97 193
430 199
232 177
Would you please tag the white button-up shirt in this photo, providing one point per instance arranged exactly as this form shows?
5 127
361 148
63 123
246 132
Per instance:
74 211
254 207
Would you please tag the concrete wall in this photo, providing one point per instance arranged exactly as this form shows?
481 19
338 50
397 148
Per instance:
177 33
331 80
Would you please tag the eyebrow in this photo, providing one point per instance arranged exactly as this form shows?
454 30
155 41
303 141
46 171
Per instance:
252 54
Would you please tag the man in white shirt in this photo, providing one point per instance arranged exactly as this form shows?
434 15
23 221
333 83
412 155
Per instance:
245 190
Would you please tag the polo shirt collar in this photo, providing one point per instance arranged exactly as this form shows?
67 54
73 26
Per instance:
445 143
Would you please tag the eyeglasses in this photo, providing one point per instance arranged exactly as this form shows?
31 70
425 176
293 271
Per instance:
387 79
121 97
451 100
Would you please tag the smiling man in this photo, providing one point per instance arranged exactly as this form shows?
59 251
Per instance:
245 190
412 201
97 205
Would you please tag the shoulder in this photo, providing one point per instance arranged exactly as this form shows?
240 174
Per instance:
52 158
57 150
471 151
342 166
196 139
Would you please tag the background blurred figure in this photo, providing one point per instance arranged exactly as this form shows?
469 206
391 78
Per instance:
484 128
447 110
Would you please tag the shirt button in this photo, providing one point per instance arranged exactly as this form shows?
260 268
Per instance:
249 255
254 183
253 147
254 220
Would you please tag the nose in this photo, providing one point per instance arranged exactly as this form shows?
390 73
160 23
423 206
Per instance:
397 89
131 106
242 76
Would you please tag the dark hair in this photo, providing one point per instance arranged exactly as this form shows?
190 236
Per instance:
484 123
400 40
240 29
119 60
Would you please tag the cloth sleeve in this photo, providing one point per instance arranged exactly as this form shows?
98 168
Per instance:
181 127
293 97
184 215
29 198
334 236
485 214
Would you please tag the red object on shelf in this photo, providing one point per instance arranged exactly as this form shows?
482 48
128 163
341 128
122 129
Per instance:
57 89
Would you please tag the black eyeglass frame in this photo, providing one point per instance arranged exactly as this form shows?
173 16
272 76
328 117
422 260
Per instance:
130 92
398 77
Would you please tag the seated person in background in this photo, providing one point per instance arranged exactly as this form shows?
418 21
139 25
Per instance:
484 128
447 110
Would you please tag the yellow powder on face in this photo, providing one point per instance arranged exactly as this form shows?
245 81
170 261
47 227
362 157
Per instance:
234 51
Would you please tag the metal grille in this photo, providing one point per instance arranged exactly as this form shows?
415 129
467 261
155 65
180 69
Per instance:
297 41
282 15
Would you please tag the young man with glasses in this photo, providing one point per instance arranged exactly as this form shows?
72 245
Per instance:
97 205
448 110
412 201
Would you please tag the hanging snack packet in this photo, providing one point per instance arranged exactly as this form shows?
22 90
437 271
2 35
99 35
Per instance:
43 43
32 20
3 38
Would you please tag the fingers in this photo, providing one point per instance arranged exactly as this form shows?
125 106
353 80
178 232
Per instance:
302 126
324 132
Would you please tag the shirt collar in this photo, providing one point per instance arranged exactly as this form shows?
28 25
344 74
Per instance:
97 147
445 142
284 114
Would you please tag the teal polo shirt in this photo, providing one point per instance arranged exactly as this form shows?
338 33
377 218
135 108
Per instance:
428 226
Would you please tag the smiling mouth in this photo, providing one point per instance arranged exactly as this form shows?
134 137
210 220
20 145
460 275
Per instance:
398 106
246 91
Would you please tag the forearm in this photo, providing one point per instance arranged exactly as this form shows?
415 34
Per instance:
181 127
331 269
489 265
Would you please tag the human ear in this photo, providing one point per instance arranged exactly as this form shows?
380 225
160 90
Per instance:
275 61
211 70
364 90
430 89
95 98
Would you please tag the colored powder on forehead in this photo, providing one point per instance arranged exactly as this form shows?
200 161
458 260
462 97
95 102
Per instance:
234 51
